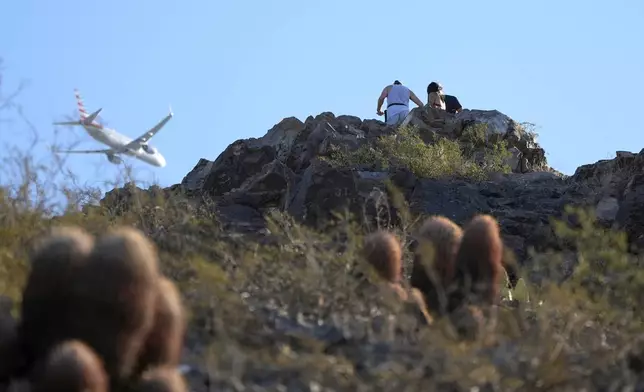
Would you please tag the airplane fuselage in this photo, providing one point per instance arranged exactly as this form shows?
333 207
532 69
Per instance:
116 141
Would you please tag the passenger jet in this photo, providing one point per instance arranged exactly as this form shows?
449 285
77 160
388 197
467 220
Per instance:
118 143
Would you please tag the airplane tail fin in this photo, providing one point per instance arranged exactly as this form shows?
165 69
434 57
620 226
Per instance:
81 106
87 119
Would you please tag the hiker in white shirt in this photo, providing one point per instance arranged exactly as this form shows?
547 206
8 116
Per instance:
398 97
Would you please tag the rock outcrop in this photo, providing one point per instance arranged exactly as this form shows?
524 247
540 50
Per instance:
286 170
616 188
296 144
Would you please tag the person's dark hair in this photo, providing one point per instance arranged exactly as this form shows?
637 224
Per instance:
432 88
397 82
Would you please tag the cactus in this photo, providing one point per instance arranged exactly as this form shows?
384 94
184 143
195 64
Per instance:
96 315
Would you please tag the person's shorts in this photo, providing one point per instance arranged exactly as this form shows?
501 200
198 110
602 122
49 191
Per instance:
397 118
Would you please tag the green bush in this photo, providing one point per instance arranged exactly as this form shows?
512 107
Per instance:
445 158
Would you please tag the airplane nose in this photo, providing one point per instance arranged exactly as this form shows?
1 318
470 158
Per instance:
161 161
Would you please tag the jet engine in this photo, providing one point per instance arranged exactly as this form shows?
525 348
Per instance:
115 159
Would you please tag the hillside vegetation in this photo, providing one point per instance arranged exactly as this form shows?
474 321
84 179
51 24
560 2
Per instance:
300 308
445 158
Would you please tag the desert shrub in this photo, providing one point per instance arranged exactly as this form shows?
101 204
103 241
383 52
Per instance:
528 129
474 136
605 269
365 155
445 158
492 152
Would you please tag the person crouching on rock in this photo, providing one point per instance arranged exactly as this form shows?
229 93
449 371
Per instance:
452 105
398 97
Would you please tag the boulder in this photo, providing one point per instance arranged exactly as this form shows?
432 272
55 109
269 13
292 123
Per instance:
236 164
281 137
194 180
617 187
497 123
607 209
270 188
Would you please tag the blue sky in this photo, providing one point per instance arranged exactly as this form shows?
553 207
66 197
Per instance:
233 69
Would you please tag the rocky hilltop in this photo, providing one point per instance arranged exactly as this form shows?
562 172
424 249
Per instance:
294 168
283 306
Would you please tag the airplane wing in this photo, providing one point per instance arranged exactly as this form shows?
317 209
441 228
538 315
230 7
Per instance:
67 123
136 143
85 151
